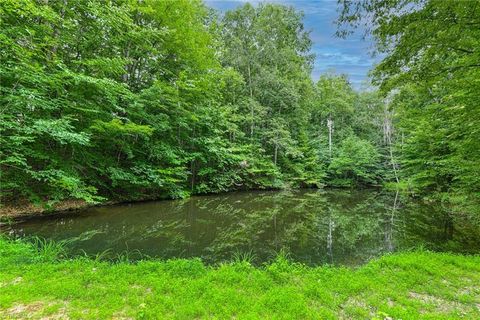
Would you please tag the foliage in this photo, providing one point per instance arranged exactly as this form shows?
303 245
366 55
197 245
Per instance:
430 73
153 99
356 162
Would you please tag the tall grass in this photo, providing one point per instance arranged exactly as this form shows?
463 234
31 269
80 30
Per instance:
244 257
48 250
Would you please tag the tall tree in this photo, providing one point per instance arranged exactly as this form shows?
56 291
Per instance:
431 69
269 47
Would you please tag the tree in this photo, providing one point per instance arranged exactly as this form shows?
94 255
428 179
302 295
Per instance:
269 47
334 104
130 100
356 163
431 70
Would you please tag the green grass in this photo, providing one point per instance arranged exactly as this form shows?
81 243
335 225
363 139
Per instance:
35 283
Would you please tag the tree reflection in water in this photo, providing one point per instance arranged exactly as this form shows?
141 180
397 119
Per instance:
313 226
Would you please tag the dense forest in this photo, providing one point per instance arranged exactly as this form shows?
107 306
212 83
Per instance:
127 100
357 201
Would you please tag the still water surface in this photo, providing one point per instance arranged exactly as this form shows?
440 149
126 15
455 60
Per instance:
341 227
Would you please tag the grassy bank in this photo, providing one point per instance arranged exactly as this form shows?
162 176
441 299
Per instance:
36 283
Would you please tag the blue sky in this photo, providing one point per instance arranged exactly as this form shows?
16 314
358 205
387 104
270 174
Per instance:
350 56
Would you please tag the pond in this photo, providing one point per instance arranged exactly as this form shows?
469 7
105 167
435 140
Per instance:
341 227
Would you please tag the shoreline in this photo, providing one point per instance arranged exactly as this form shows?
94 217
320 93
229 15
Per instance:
26 211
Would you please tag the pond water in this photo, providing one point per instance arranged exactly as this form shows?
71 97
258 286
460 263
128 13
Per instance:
342 227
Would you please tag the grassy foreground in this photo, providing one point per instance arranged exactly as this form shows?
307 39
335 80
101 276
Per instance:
35 283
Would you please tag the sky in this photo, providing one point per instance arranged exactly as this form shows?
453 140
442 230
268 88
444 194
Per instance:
349 56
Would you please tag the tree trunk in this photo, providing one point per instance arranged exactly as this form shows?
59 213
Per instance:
387 138
275 154
251 98
330 133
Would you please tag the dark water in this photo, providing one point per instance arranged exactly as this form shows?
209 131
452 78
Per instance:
314 227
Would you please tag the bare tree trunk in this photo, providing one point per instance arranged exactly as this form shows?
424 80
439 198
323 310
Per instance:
251 98
275 154
387 138
192 169
330 133
392 159
192 164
